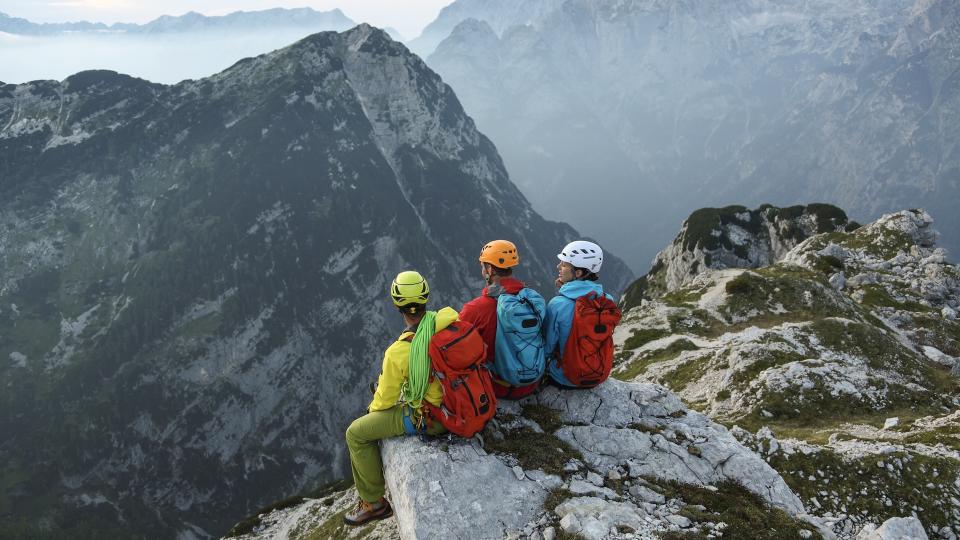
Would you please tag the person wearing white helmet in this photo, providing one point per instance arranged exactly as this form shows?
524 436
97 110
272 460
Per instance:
577 276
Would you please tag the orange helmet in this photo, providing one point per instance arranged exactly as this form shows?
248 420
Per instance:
500 253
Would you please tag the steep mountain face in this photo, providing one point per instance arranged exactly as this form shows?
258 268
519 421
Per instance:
688 104
193 277
845 348
500 14
733 237
192 22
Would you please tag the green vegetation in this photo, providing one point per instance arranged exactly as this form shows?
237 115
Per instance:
702 223
683 297
634 294
641 364
877 296
686 373
828 264
884 245
829 217
249 524
778 294
641 336
935 331
880 350
533 450
864 485
548 419
332 528
745 513
767 358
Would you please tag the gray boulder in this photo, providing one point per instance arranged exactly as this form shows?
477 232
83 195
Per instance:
455 490
908 528
646 428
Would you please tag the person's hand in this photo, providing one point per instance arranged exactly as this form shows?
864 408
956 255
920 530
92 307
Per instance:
558 283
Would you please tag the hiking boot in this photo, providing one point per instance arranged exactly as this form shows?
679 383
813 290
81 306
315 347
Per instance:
365 512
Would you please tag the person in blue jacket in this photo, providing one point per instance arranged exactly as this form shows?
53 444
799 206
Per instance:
577 275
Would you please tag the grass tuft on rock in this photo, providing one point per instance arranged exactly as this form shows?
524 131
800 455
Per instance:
543 451
745 513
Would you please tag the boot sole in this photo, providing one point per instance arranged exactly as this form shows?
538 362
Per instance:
387 512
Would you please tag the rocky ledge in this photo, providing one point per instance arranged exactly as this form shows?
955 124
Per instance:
625 460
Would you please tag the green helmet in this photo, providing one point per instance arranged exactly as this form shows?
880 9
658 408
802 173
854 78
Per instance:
409 288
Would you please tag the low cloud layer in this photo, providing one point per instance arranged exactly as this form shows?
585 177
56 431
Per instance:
165 59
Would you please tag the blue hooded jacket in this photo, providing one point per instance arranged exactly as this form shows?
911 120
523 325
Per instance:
560 319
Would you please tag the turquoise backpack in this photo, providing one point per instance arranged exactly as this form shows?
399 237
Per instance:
519 357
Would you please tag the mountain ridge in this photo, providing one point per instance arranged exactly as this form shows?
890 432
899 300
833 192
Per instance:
333 19
711 104
197 273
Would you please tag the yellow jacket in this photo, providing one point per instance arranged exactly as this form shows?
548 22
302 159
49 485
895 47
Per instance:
396 365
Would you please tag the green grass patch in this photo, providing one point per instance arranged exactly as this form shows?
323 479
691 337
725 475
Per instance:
863 486
249 524
533 450
746 514
768 358
683 297
885 244
875 295
828 264
686 373
640 337
669 352
545 417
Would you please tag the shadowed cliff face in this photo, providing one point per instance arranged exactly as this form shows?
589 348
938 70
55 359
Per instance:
733 237
193 277
684 105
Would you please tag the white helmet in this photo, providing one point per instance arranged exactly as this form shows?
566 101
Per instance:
582 254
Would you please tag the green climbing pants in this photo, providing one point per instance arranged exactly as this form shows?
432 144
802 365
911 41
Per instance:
363 437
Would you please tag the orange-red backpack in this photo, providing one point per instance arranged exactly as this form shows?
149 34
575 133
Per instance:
456 358
588 354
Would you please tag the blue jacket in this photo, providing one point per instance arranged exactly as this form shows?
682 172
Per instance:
558 322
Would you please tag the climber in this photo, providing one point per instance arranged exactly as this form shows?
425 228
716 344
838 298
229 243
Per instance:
402 389
580 320
509 317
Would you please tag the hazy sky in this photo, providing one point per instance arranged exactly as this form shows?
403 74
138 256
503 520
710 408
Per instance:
407 16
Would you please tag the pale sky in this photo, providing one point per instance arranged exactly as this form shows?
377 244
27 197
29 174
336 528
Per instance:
407 16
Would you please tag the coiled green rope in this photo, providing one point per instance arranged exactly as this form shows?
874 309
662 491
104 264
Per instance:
418 374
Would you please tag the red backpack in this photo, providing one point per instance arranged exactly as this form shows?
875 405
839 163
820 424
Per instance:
456 358
588 355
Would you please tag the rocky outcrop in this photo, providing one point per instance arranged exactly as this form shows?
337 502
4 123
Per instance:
841 338
430 483
895 529
624 446
733 237
894 268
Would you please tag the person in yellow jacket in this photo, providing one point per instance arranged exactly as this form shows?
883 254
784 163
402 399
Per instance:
403 386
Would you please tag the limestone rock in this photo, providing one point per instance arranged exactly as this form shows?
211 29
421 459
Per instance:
895 529
607 440
733 237
592 518
484 491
